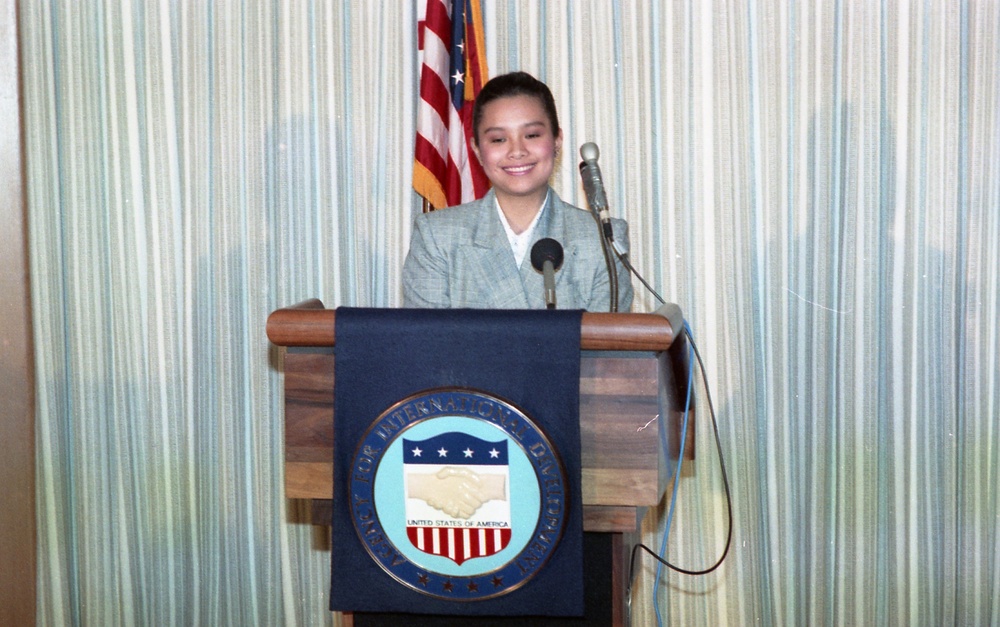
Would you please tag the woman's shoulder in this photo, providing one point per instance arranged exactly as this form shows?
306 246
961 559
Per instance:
578 217
454 215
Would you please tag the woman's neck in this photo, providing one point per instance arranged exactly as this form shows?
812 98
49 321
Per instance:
521 210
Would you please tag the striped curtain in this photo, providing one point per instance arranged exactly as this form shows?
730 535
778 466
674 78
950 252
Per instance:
817 184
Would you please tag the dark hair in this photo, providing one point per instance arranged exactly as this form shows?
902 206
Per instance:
509 85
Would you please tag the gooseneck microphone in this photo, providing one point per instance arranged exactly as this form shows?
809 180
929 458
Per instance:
547 257
593 187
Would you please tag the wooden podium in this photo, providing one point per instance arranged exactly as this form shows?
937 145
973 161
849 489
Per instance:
633 372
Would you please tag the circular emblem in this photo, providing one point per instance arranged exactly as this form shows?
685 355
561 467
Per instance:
458 494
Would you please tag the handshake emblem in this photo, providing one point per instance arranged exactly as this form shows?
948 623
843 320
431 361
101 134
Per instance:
456 491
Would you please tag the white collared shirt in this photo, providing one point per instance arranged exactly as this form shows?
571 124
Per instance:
519 241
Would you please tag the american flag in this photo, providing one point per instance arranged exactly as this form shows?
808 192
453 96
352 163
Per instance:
445 170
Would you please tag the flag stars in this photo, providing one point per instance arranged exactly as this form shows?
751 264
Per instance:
494 454
442 452
417 452
458 77
468 452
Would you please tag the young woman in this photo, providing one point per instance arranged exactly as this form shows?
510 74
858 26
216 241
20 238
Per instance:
477 255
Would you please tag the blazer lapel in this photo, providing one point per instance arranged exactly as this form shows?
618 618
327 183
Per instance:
492 255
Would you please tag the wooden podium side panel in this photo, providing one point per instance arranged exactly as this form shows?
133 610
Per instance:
619 429
309 423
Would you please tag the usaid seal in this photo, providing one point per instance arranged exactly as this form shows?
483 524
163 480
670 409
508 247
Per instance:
458 494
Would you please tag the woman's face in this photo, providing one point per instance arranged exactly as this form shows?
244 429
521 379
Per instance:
517 148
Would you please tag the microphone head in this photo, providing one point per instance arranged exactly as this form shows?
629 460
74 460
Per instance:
589 152
546 249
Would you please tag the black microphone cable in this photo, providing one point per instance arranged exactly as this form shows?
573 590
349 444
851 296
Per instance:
594 188
623 257
718 445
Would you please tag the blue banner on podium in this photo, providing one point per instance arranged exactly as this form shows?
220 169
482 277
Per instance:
457 463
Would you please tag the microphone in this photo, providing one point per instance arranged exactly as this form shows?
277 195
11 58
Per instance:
593 187
547 257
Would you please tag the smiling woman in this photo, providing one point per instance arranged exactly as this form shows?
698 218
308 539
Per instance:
474 255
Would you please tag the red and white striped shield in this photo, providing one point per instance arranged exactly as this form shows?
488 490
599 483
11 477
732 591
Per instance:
459 543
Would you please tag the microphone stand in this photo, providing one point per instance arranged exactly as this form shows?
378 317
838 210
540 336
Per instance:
609 260
594 188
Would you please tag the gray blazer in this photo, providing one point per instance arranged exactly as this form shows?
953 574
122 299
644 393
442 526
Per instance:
460 258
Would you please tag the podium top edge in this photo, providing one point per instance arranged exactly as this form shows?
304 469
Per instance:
309 323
